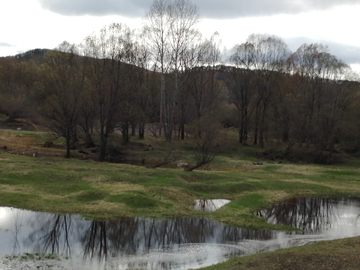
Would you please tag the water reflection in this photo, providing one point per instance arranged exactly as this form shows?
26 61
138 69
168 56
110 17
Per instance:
317 215
209 205
177 243
127 243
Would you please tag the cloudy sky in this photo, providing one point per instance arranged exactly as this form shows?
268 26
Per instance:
30 24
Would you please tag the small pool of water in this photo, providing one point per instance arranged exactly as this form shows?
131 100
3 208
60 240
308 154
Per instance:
177 243
210 205
331 218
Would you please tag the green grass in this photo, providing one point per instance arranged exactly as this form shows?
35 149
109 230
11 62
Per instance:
106 190
328 255
134 200
101 189
33 256
92 195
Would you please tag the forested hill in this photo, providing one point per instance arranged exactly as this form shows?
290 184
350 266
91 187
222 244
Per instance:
36 55
300 103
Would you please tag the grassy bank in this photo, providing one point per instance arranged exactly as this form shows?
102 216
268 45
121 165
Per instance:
329 255
106 190
47 182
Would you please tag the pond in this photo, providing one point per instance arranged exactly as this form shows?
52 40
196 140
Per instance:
177 243
319 217
210 205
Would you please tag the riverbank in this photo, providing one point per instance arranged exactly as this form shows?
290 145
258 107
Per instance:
327 255
50 183
106 190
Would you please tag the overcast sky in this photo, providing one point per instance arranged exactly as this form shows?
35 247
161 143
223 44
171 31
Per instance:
30 24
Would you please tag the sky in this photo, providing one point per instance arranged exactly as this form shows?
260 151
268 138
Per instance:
30 24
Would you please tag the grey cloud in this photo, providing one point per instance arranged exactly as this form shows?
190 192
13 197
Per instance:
346 53
133 8
244 8
5 44
208 8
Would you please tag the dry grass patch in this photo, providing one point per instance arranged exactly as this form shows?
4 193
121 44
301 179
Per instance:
118 188
173 195
341 186
95 178
108 210
101 182
14 140
25 189
274 196
300 169
16 189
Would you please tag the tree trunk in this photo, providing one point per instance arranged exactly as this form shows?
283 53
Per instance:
88 139
141 130
182 131
285 134
133 129
103 146
162 102
256 128
262 125
68 146
125 132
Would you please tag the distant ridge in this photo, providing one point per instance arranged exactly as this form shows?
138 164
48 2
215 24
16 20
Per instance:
38 52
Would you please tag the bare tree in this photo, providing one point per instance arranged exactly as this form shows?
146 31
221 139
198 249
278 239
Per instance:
17 81
201 83
281 106
170 30
262 57
64 81
324 96
109 52
237 81
205 130
141 83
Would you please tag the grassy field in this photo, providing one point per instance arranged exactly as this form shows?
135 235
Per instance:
47 182
329 255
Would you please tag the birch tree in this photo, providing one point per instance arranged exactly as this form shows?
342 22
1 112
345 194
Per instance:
170 28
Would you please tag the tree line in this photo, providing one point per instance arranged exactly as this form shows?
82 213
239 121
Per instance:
169 80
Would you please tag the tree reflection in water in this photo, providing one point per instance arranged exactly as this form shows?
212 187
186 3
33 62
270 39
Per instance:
151 242
16 229
137 236
51 234
314 214
176 243
209 205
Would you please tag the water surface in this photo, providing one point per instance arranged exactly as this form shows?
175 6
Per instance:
177 243
323 217
210 205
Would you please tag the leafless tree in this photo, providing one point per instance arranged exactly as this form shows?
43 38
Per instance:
323 97
206 132
109 52
199 86
170 30
64 83
261 57
18 79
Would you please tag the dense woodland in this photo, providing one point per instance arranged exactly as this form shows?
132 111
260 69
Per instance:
167 80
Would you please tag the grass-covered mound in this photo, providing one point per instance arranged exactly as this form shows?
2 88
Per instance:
48 182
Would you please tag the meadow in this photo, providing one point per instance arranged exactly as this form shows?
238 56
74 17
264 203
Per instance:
38 178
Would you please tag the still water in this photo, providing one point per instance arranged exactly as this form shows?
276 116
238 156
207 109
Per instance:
210 205
177 243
